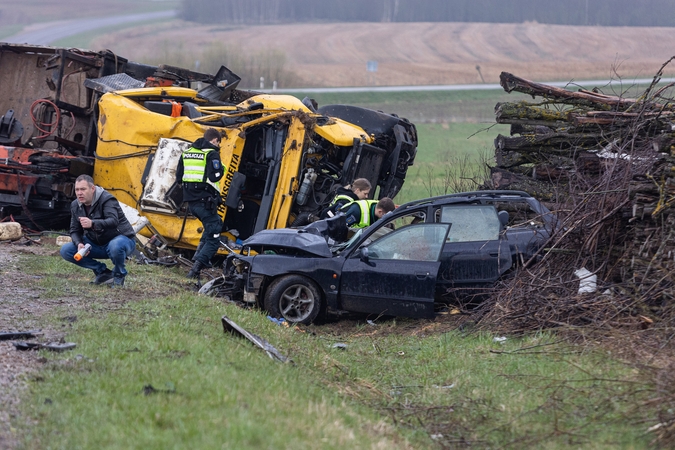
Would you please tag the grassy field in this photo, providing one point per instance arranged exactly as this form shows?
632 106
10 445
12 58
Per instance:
157 371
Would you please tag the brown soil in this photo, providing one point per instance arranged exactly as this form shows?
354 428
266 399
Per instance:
419 53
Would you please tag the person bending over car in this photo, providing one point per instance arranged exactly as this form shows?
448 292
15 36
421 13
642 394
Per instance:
358 190
97 220
363 213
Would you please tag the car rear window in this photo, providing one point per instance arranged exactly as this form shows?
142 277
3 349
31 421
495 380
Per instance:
471 223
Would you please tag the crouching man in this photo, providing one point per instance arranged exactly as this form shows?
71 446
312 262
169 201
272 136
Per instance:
98 220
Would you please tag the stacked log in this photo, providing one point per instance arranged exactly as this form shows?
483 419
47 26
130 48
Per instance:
606 164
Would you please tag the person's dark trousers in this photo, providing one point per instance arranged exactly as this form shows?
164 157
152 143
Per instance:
116 250
213 225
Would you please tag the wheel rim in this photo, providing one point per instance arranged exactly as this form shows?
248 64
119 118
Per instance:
296 303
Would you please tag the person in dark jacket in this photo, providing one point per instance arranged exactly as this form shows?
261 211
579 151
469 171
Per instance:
200 171
363 213
97 219
358 190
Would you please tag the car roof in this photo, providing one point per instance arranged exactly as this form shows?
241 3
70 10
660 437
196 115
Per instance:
471 196
477 197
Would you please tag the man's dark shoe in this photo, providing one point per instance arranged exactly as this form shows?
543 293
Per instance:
104 277
117 282
196 270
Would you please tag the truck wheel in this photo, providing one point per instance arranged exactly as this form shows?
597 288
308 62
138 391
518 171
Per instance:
295 298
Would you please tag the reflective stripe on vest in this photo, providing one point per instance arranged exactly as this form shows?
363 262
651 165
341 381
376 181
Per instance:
365 213
194 167
341 197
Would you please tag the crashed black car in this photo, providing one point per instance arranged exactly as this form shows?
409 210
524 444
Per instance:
405 264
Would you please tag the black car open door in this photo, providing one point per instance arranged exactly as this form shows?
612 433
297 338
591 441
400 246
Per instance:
396 274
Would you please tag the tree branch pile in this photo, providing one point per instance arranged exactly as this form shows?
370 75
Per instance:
606 165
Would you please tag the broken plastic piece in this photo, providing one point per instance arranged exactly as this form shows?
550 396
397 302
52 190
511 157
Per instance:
230 327
52 346
149 389
275 320
587 280
9 335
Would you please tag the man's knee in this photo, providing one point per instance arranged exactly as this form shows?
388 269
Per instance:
213 227
68 250
120 245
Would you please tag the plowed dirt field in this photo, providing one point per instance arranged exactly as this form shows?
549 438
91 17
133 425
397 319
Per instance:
336 54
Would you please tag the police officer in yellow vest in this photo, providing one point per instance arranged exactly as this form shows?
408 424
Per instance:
358 190
200 170
362 213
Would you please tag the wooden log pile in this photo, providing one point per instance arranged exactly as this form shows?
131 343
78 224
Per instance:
606 164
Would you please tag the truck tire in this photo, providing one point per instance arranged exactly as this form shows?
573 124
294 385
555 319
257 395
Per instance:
295 298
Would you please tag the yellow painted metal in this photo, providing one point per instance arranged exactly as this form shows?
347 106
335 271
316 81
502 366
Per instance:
162 92
128 134
287 185
342 133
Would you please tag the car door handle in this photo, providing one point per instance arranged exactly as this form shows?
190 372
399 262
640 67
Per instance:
422 275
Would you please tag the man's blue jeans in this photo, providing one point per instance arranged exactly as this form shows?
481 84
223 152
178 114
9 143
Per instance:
116 250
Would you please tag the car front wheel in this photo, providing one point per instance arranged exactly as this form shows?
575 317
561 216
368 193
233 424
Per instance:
295 298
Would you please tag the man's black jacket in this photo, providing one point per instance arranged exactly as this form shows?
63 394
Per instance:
108 219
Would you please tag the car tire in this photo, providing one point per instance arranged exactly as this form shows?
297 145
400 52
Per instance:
295 298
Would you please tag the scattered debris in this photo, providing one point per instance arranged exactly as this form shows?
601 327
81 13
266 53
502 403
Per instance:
229 326
280 321
447 386
587 281
339 345
52 346
9 335
148 389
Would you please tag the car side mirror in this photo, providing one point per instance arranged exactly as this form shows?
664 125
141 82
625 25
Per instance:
363 254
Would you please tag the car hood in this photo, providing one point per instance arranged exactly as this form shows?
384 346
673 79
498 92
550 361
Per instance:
289 238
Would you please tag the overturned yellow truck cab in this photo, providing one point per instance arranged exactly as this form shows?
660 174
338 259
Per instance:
283 160
284 156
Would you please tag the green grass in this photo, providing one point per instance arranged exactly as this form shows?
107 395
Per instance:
451 157
425 106
390 387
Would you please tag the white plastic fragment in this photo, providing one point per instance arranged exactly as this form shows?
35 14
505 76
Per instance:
587 280
499 339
